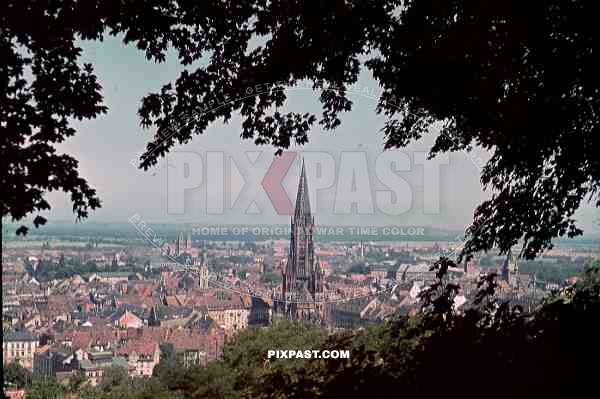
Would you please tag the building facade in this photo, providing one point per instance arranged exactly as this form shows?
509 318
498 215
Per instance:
141 356
19 346
231 315
201 268
48 361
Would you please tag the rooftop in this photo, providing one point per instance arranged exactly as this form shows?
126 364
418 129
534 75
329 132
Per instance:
18 336
115 361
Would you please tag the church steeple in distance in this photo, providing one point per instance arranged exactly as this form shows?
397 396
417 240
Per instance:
302 277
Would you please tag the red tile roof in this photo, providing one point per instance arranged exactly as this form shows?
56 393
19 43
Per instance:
141 347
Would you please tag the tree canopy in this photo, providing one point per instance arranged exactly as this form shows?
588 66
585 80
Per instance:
16 374
46 389
517 78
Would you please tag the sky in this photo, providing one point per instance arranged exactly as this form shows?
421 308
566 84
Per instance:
107 146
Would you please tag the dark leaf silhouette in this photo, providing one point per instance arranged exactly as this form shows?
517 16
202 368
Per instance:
517 78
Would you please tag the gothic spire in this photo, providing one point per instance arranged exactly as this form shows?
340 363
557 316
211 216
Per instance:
302 199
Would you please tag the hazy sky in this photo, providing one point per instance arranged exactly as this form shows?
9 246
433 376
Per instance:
106 146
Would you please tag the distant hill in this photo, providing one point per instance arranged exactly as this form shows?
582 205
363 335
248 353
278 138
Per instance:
166 231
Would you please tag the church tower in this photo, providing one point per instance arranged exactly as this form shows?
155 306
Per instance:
302 290
510 268
180 244
188 243
202 268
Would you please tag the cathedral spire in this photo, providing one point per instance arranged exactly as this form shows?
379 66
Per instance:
302 199
302 287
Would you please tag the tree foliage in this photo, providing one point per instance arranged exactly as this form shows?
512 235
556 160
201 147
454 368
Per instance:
494 349
46 389
169 370
77 382
244 361
359 268
270 277
517 78
44 87
14 373
47 270
251 346
132 389
112 377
